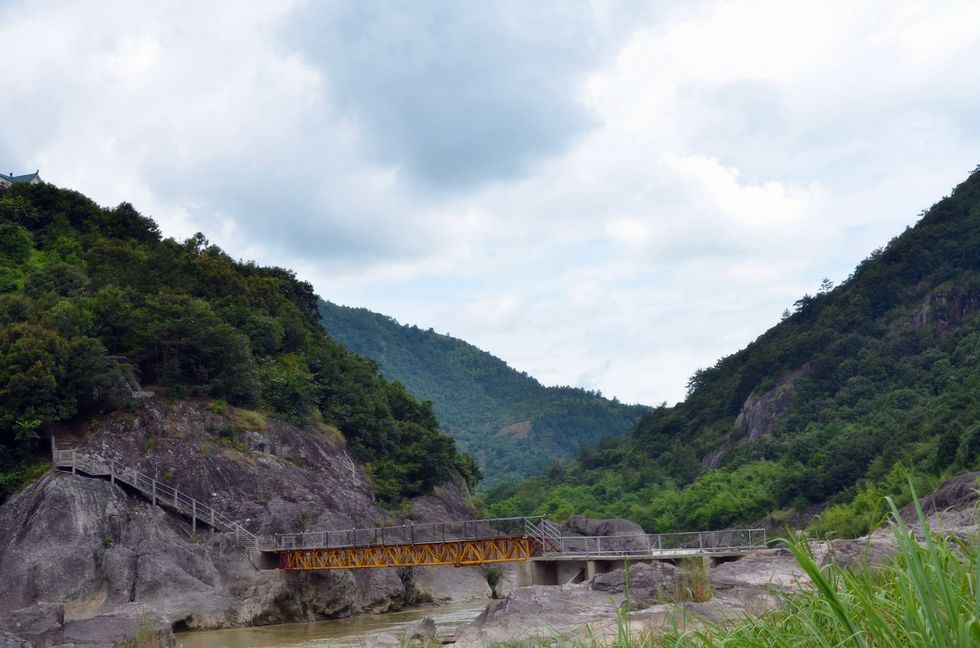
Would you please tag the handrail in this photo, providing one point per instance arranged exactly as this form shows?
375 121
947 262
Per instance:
548 537
157 491
701 542
429 532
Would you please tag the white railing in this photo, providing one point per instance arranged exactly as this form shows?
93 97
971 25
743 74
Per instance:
426 533
551 541
154 490
665 544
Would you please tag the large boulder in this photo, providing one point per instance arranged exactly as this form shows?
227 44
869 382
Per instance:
38 625
649 583
613 535
99 548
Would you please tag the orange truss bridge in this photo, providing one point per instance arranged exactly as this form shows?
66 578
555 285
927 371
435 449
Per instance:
470 542
474 542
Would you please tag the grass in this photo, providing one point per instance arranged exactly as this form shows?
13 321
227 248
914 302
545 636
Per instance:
927 597
694 582
246 420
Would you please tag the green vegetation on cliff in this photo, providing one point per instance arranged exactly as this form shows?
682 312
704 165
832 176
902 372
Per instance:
89 295
510 422
860 383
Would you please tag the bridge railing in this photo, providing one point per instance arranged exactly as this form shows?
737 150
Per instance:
429 532
664 544
157 491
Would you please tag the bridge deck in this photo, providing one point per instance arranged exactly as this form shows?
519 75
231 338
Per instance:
469 542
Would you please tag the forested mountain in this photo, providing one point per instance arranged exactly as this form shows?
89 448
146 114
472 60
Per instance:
510 422
862 383
91 296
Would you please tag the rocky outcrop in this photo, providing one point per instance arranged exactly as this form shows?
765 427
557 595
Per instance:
758 416
649 583
616 534
108 555
944 310
760 411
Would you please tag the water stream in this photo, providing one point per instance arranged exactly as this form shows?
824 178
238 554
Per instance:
338 632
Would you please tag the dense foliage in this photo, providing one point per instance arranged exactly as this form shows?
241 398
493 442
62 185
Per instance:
89 295
479 399
881 370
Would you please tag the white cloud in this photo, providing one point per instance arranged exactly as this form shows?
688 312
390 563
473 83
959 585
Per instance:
613 215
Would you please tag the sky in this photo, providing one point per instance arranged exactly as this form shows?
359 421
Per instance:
605 194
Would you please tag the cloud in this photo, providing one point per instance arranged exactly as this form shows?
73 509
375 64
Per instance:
455 94
601 193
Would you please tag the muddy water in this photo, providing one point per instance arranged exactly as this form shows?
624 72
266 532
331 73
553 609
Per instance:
338 632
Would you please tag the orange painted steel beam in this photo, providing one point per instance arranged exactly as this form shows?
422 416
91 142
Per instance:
456 553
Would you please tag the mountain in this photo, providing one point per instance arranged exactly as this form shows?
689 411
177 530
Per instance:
862 386
511 423
93 300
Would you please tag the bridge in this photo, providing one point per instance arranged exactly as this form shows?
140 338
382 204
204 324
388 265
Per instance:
548 555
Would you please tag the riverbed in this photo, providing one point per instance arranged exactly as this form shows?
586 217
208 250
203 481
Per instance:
342 633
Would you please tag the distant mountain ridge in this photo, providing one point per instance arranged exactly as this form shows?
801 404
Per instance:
864 385
511 423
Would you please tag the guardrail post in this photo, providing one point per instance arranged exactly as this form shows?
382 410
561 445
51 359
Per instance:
153 489
73 461
700 541
112 473
411 531
194 516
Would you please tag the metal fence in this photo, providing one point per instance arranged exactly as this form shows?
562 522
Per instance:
665 544
550 539
435 532
156 491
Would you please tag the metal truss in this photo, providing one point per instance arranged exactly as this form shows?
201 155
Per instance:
455 553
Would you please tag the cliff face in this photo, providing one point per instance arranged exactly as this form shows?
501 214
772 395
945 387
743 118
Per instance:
108 555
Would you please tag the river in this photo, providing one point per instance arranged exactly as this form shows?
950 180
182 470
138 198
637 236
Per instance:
338 632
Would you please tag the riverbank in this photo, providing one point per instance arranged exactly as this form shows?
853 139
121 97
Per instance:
337 633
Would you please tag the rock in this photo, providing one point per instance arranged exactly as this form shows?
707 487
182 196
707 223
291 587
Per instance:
383 640
768 568
554 613
760 411
617 534
876 550
39 625
122 625
956 494
649 582
9 640
101 549
421 632
440 584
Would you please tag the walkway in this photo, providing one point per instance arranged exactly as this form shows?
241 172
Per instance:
468 542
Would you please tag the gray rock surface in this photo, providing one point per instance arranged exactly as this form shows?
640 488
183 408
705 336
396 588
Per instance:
648 582
39 625
539 611
101 551
421 632
617 534
761 410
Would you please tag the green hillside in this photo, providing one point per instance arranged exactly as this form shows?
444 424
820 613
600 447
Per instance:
89 295
510 422
863 382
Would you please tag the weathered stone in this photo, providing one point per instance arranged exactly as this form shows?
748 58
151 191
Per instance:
760 411
617 534
10 640
421 632
101 549
657 581
39 625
